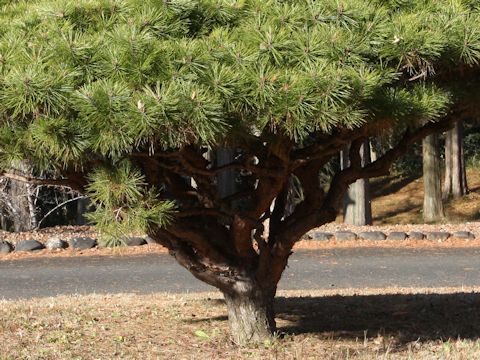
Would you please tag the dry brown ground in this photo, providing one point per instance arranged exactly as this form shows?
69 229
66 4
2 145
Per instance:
351 324
400 201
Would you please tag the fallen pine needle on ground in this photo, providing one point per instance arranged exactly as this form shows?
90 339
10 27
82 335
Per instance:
393 323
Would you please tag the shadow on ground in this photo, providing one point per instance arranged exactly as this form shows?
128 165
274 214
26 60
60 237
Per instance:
405 317
405 210
390 184
457 216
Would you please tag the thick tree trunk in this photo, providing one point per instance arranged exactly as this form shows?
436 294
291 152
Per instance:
251 315
249 301
432 203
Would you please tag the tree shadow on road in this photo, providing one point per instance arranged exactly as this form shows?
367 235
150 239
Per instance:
405 317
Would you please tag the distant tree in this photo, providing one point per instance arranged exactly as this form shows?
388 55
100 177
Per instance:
455 180
432 203
18 209
125 99
357 208
81 210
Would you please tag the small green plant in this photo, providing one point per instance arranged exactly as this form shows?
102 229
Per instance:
202 335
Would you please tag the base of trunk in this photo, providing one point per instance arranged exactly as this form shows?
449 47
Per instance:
251 316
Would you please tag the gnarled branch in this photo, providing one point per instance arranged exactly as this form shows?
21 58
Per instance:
40 181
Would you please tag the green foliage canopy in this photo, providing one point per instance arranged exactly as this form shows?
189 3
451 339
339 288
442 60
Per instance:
85 84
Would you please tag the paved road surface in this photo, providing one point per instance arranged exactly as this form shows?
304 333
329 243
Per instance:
308 269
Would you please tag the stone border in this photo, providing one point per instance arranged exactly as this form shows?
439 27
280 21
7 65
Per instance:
394 235
56 243
82 243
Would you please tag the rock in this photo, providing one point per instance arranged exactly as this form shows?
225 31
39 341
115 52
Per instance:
307 236
463 235
372 235
437 235
345 235
416 235
55 243
321 236
397 235
134 241
29 245
82 243
5 247
149 240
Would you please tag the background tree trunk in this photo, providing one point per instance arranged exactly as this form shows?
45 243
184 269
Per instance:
447 182
363 213
225 179
357 202
82 205
375 149
22 200
350 196
458 189
21 217
464 168
32 210
432 203
455 182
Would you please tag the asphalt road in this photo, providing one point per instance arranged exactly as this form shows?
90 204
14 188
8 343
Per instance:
308 269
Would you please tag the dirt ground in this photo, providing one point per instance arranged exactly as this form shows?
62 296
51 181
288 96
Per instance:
400 201
363 324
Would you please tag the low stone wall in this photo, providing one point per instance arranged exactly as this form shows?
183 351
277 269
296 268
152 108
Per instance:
85 242
56 243
394 235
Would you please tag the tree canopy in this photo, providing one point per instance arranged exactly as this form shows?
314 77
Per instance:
123 98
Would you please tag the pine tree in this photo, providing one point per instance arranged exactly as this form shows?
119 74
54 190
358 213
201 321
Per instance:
124 99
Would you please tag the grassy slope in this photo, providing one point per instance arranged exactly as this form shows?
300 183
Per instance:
400 201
